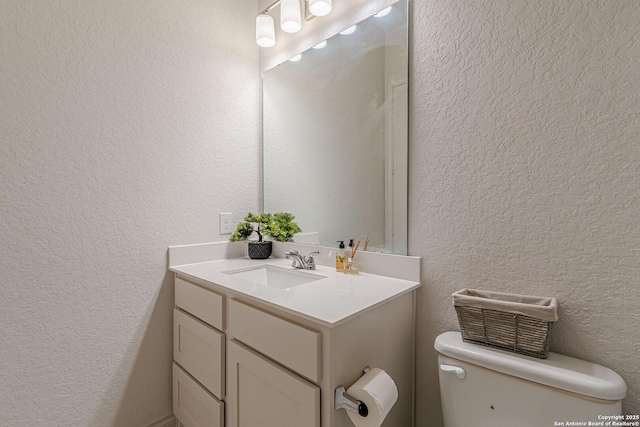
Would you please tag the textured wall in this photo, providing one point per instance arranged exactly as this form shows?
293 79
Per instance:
125 127
525 170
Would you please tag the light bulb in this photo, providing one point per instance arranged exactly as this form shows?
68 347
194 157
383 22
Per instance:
296 58
320 45
349 30
265 31
319 7
383 12
290 16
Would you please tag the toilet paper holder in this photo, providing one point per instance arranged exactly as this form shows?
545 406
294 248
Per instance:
343 401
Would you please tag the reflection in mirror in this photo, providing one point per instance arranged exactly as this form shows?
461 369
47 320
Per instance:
335 135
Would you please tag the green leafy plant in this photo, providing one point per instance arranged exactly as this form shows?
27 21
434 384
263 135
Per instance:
246 228
281 226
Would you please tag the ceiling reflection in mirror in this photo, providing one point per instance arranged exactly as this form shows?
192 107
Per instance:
335 136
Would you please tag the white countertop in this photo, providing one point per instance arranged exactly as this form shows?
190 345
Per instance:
329 301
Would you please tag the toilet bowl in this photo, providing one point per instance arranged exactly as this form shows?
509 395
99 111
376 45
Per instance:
482 386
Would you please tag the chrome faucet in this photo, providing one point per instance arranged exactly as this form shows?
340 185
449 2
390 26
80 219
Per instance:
299 261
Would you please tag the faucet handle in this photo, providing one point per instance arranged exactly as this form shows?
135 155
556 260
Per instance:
312 261
291 252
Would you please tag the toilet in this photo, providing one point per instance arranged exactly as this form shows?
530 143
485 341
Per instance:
486 387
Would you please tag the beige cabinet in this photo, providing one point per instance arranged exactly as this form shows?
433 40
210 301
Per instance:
199 349
199 356
242 363
264 394
193 405
200 302
292 345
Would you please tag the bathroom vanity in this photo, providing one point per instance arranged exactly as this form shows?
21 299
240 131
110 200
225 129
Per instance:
259 343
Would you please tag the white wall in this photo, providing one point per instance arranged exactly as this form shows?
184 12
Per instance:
525 170
125 127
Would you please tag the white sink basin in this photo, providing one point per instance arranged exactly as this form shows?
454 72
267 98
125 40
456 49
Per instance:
275 277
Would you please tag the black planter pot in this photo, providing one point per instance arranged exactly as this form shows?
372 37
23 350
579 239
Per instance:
260 250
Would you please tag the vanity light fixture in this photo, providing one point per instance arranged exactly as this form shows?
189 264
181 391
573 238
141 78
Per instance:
290 18
320 45
383 12
349 30
320 7
296 58
265 30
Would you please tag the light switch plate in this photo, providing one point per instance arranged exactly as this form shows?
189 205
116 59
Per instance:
226 222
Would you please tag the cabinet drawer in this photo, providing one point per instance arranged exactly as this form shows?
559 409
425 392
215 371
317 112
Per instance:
192 404
204 304
199 349
292 345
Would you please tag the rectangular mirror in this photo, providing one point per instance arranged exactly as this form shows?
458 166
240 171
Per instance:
335 135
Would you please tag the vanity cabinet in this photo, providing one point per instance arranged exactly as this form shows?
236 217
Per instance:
239 362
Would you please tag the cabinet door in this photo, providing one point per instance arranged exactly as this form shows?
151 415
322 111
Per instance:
261 393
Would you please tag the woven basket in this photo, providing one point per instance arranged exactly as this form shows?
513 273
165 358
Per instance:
505 328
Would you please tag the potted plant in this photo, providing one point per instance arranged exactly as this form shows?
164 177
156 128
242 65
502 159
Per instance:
280 226
283 227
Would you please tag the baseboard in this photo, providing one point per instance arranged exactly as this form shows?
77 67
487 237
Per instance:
168 421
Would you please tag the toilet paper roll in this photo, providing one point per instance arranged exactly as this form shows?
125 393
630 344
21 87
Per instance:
378 391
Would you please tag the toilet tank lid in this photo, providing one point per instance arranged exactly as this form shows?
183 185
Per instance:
559 371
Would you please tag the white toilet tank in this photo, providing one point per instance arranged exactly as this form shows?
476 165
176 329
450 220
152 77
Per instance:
485 387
